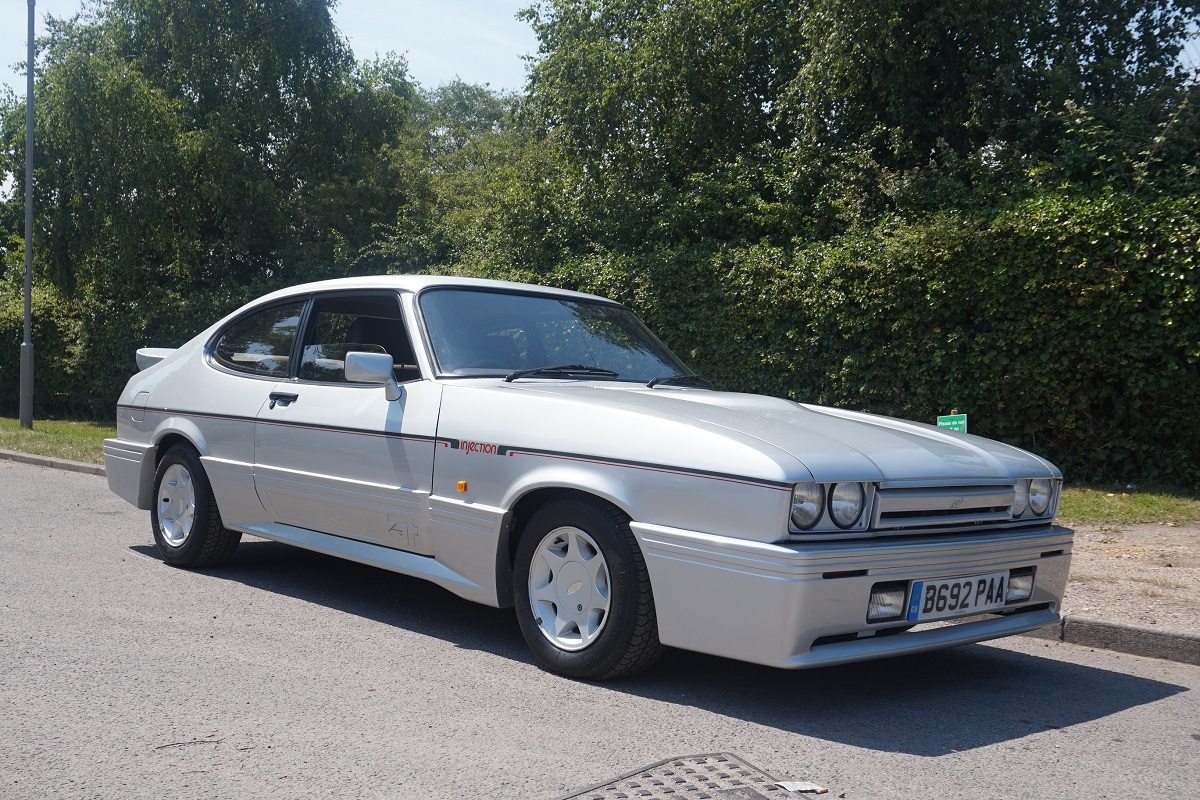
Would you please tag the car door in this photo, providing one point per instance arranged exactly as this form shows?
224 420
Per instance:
219 406
339 457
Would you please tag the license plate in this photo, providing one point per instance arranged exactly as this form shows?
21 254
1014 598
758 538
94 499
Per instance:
955 597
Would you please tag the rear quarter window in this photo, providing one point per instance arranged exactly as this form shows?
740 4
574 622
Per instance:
261 343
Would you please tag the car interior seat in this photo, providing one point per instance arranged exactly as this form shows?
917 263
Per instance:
390 335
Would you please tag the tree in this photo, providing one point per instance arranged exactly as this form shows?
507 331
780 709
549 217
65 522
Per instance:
480 193
233 141
208 150
665 112
892 89
690 121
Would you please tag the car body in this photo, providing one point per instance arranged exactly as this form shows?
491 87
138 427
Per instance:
678 515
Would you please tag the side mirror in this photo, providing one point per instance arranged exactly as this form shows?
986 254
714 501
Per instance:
373 368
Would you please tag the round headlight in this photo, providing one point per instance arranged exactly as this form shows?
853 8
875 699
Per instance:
1040 490
806 504
846 503
1021 498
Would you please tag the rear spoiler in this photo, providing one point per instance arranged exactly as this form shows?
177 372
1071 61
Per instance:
149 356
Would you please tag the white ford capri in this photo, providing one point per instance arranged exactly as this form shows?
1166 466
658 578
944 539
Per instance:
537 448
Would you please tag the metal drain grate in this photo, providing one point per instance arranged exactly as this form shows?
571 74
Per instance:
713 776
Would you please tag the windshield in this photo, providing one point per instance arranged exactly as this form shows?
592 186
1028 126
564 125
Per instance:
497 333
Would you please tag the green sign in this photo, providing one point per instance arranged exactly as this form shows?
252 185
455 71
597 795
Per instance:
953 422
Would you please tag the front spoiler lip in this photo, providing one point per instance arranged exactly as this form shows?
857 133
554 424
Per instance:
828 655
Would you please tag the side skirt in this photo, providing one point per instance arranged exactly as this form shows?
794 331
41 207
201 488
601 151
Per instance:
417 566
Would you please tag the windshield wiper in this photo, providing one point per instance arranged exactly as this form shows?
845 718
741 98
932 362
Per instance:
562 369
680 380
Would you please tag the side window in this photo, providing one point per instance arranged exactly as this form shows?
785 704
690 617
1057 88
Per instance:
261 343
367 324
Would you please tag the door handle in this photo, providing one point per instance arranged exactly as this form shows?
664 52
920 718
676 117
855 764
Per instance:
287 398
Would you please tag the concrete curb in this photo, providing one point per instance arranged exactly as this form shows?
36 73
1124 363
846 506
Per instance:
1169 644
54 463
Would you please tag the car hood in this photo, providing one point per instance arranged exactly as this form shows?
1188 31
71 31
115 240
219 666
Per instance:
832 443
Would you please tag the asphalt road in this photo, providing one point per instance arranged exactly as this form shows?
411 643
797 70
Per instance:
290 674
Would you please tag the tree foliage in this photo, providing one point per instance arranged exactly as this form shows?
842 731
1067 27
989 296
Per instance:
192 155
195 144
666 112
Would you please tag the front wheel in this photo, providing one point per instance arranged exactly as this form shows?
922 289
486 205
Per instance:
582 593
185 518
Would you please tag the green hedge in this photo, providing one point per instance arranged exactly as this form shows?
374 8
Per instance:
1068 325
56 352
84 349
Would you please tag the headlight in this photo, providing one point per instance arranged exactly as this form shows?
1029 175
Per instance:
1021 498
1040 492
846 503
807 500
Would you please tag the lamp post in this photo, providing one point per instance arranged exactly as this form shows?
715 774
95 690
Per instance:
26 402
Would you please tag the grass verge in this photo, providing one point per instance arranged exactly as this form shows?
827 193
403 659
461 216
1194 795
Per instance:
1099 505
76 441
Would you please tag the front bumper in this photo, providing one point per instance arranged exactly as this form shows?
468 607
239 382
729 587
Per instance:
802 604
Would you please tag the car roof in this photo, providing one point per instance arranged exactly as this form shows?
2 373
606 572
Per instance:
415 283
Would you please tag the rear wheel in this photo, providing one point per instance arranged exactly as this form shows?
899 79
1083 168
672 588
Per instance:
186 522
582 593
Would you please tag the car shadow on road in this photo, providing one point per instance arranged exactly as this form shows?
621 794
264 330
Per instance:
371 593
928 704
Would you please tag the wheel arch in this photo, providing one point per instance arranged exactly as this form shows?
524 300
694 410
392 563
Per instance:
176 430
521 509
167 442
165 437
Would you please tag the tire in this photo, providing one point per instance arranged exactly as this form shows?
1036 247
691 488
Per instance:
578 549
185 520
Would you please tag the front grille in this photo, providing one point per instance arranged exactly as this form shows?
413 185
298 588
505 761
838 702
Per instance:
945 512
939 506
